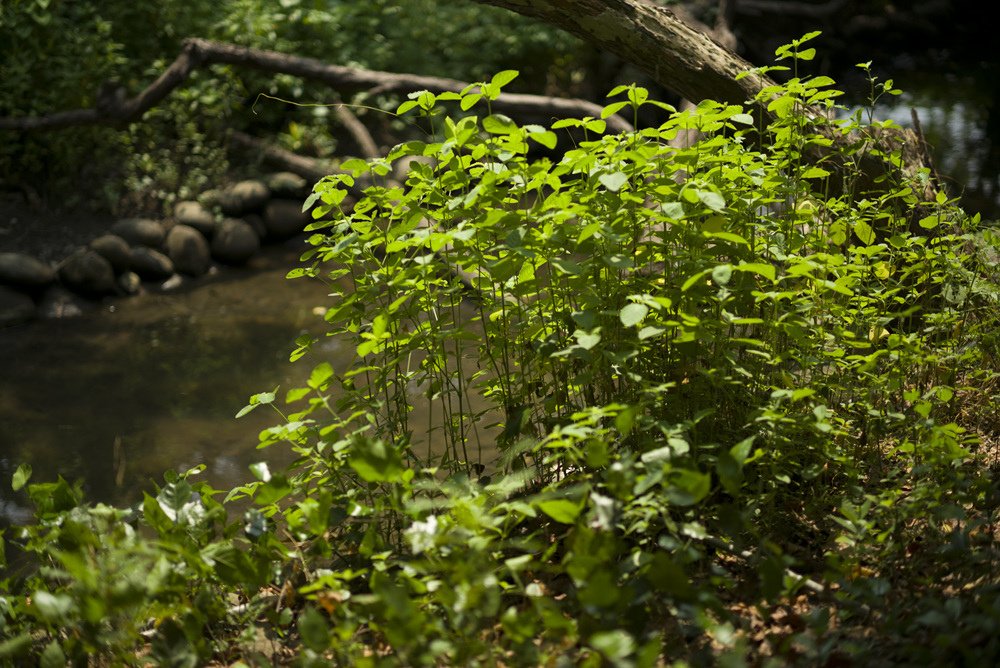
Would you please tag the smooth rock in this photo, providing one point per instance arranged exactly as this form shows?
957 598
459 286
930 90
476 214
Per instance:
287 184
58 302
15 307
193 214
235 242
244 197
130 283
115 250
172 283
211 199
284 218
188 250
256 221
23 271
151 265
139 231
86 273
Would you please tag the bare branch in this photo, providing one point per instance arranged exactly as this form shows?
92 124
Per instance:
200 52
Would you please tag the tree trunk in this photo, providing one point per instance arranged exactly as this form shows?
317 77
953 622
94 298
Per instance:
678 56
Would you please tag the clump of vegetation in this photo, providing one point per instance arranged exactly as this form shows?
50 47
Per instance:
684 402
56 56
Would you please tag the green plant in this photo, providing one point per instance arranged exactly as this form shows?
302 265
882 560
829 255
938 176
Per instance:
632 405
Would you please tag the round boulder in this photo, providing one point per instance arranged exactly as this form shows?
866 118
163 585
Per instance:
151 265
15 307
25 272
188 250
130 283
284 218
234 242
87 273
115 250
193 214
244 197
287 185
139 231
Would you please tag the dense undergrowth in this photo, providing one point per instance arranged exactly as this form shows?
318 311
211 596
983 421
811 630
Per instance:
715 402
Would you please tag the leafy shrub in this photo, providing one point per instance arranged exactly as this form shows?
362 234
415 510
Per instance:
686 403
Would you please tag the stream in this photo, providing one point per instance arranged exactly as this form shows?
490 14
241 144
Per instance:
119 395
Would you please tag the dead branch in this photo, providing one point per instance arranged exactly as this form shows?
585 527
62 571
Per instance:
201 52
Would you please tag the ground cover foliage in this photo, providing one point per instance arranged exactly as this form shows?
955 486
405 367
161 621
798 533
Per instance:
704 404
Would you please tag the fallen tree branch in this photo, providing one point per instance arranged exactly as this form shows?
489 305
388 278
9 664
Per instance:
310 169
201 52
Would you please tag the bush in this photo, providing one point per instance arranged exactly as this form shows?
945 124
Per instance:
690 403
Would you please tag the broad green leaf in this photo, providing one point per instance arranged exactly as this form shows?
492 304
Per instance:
613 109
21 477
864 232
688 487
563 511
503 78
613 181
815 173
498 124
322 373
765 270
375 461
314 630
587 340
722 273
632 314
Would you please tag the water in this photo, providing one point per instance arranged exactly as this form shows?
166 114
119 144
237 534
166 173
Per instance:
116 397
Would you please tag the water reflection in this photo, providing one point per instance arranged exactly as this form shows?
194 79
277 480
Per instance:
116 398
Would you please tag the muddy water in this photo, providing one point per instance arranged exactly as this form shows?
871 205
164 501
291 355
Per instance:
119 395
139 386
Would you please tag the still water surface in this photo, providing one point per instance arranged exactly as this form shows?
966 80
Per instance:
116 397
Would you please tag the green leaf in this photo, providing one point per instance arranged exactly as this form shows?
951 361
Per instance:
688 487
52 656
320 375
864 232
375 461
51 607
613 181
546 139
587 340
616 646
469 101
712 200
21 477
815 173
632 314
745 119
16 646
314 629
613 109
765 270
563 511
498 124
722 273
503 78
261 471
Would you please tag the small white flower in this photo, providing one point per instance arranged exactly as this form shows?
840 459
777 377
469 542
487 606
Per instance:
421 534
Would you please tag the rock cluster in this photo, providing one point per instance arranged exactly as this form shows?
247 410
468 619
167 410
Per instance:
226 226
